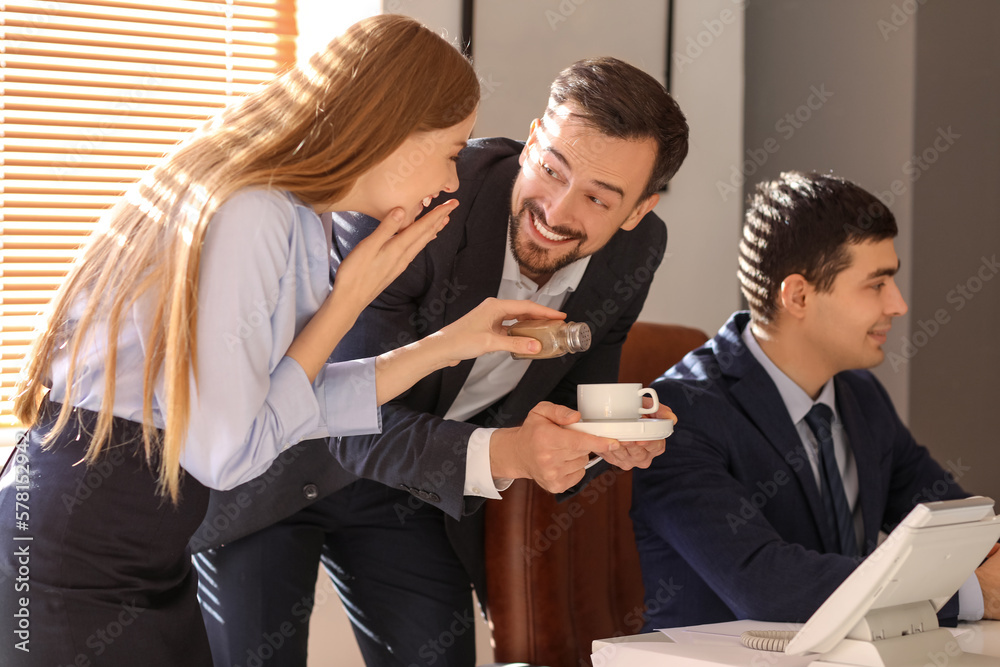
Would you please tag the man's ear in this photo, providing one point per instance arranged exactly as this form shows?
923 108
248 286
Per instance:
531 141
640 211
795 295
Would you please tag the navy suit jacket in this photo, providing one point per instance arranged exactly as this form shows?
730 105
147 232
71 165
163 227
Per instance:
418 450
728 521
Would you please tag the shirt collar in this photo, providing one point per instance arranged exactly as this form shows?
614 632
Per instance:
566 279
797 401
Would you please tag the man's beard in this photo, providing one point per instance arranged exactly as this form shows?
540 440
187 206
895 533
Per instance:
530 256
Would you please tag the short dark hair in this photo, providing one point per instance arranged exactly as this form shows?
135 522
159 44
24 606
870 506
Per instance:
624 102
802 223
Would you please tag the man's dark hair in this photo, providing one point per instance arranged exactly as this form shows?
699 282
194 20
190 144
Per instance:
623 102
802 223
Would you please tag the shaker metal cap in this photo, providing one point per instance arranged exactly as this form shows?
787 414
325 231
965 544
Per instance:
579 336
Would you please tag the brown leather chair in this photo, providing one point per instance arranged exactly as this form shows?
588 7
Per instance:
560 575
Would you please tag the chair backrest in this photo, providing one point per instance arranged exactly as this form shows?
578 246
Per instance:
560 575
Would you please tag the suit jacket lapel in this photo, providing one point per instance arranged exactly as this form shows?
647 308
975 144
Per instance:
866 458
755 392
594 289
476 275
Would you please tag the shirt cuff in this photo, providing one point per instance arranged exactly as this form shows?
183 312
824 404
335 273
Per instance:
347 401
478 475
970 600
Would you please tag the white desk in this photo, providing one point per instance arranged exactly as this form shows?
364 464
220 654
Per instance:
655 649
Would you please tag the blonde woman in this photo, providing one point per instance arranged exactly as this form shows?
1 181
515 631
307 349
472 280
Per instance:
188 347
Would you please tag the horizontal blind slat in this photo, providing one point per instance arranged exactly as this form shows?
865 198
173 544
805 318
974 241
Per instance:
243 8
137 108
44 228
23 63
42 12
110 86
119 41
75 120
179 92
14 173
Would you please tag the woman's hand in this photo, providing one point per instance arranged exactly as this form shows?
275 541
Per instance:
365 272
379 259
481 330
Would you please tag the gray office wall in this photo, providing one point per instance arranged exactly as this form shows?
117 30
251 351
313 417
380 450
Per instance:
913 115
953 352
832 93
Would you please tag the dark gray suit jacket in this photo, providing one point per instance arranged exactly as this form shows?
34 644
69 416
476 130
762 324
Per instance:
418 450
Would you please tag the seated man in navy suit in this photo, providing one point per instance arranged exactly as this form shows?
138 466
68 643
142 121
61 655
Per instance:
789 457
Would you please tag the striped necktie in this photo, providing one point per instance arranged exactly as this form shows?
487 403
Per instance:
838 510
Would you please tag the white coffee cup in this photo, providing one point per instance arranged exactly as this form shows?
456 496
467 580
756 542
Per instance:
618 401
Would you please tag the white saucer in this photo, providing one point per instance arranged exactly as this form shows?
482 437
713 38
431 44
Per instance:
630 430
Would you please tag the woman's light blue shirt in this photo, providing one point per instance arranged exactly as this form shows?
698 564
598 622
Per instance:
264 274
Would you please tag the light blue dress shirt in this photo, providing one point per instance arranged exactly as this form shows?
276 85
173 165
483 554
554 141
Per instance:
264 273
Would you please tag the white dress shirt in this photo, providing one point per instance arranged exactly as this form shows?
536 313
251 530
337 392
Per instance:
494 375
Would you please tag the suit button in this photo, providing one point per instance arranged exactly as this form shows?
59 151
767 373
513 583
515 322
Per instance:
310 491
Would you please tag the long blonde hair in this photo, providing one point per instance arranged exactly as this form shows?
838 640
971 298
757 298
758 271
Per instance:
312 131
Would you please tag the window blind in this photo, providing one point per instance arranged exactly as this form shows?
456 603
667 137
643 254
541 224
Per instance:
91 93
